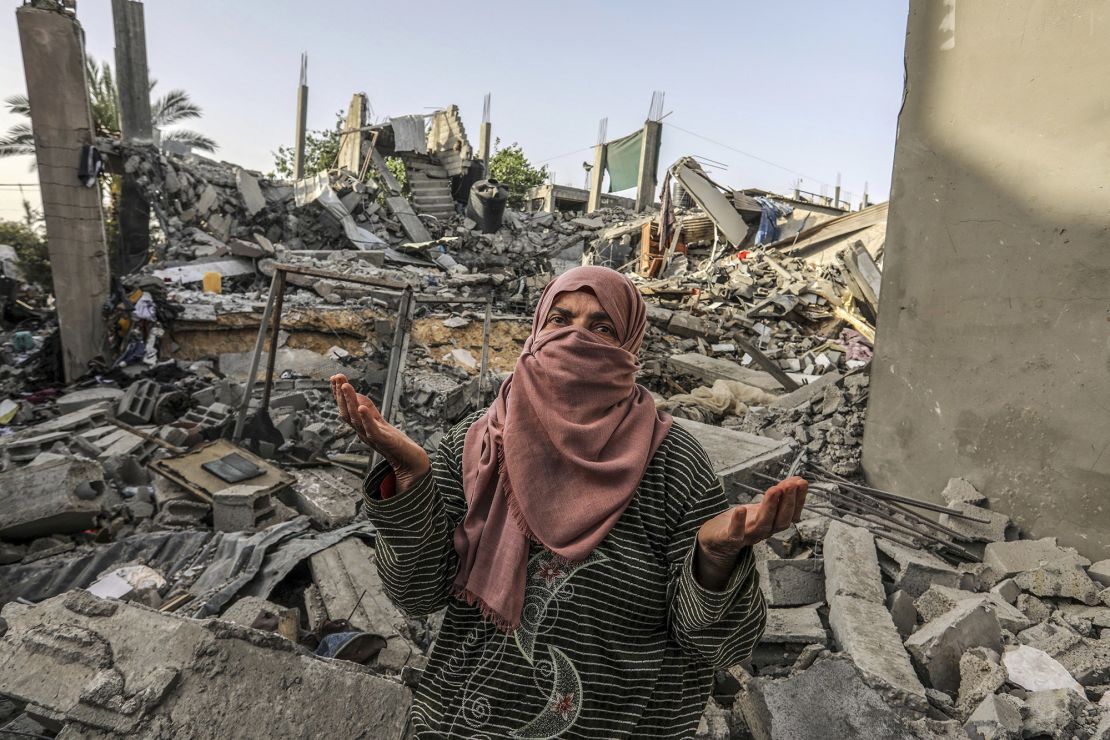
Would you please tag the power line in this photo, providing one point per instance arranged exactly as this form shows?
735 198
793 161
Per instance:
19 185
566 154
748 154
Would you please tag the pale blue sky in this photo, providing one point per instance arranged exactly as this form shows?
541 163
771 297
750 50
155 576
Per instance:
812 86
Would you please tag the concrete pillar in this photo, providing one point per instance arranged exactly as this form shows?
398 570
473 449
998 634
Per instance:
597 174
350 142
649 165
132 75
302 120
991 357
133 83
484 135
54 66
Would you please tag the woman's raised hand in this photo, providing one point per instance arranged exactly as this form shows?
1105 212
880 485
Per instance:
408 459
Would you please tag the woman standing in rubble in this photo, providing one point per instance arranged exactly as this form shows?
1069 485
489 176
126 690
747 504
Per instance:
593 573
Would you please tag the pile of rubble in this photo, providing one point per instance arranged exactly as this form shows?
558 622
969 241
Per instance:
183 519
1015 645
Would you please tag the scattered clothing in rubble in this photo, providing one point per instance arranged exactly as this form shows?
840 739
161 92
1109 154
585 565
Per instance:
621 645
769 220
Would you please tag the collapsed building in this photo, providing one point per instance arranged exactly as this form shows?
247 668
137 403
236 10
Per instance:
181 520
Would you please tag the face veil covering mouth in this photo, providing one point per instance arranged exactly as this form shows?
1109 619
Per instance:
561 451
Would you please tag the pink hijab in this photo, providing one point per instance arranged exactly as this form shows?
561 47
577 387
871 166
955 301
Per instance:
559 454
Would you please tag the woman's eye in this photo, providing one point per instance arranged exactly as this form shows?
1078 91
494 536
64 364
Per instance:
556 319
605 329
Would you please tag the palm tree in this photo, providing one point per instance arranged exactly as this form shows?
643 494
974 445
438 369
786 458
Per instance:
166 111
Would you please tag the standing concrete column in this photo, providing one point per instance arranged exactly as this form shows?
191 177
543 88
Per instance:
54 65
133 81
302 120
132 75
596 176
649 165
484 135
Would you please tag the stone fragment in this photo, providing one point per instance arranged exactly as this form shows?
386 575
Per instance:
1087 660
1100 572
64 494
936 647
981 674
1007 590
1098 616
959 491
1011 558
998 717
993 530
792 582
1033 608
851 564
798 625
684 324
806 705
1053 713
1063 580
864 629
328 496
903 612
77 400
939 600
914 571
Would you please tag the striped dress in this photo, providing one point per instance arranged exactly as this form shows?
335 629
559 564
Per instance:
623 645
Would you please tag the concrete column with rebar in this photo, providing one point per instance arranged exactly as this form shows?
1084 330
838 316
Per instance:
61 118
649 165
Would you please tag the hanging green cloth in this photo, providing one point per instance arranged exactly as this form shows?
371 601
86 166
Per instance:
622 160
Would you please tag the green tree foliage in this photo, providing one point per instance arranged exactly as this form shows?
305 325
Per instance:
321 148
166 112
29 246
511 167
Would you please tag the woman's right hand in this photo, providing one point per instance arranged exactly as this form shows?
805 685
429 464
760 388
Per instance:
408 459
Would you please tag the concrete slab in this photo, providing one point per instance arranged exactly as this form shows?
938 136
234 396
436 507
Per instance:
914 571
709 369
737 456
111 668
829 700
63 495
800 625
851 564
327 495
77 400
790 582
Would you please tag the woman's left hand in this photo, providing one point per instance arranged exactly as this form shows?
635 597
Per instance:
721 539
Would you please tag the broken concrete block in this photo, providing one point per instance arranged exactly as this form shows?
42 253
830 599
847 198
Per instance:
998 717
1033 608
77 400
851 564
1007 590
959 491
1100 572
801 625
914 571
137 405
936 647
1011 558
1035 670
684 324
981 674
710 369
62 495
903 612
792 582
737 456
865 630
1065 580
325 495
1087 660
1054 713
241 508
806 705
940 600
994 529
111 668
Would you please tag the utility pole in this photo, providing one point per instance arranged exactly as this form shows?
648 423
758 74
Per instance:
302 120
61 118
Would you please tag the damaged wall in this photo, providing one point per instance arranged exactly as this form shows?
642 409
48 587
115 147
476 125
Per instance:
992 353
